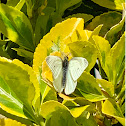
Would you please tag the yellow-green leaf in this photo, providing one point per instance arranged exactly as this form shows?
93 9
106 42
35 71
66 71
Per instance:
107 86
108 20
89 88
84 49
22 81
112 4
16 26
111 108
10 122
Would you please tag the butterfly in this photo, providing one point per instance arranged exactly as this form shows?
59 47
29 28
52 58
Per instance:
65 73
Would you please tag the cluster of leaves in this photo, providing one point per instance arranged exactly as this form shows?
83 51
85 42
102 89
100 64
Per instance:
27 94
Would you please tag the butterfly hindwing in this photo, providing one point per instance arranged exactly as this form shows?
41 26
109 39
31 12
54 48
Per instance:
70 84
76 67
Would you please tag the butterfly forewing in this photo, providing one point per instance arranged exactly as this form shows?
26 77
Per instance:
55 64
76 67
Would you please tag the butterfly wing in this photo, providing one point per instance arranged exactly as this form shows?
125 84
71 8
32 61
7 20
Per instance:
76 67
55 65
70 84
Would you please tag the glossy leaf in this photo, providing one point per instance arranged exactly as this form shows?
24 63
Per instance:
108 20
89 88
84 49
10 122
61 6
51 106
21 80
112 34
16 26
114 110
86 17
107 86
9 101
117 54
112 4
24 53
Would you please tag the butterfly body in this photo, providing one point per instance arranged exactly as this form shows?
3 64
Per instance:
65 73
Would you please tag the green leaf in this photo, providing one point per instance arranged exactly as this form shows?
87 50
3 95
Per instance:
86 17
86 120
103 48
112 4
24 53
9 101
107 86
108 20
111 108
112 34
84 49
12 3
21 80
61 6
16 26
89 88
56 113
117 55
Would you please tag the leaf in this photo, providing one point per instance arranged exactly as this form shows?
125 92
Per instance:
89 88
86 17
9 101
103 48
22 81
16 26
24 53
112 4
108 20
116 60
107 86
86 120
112 34
56 113
51 106
84 49
61 6
12 2
114 110
10 122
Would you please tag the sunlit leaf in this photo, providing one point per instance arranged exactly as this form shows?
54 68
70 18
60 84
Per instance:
10 122
20 80
108 20
114 110
112 4
16 26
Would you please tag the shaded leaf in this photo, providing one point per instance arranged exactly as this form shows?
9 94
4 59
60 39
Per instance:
112 34
112 4
61 6
84 120
108 20
107 86
89 88
84 49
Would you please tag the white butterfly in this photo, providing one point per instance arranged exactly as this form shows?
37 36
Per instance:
65 73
